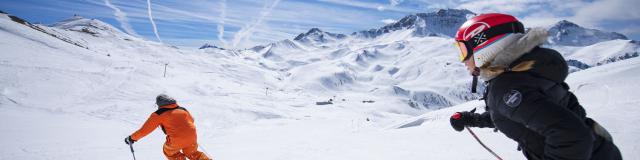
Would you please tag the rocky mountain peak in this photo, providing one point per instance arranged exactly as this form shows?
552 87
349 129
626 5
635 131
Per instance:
568 33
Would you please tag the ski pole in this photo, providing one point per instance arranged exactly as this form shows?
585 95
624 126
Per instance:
131 147
204 150
485 147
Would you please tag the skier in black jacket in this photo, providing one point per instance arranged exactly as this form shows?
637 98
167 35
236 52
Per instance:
526 97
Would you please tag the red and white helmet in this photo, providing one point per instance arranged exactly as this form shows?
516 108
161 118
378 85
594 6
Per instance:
482 31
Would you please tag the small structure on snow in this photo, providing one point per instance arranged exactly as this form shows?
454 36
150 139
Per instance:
324 103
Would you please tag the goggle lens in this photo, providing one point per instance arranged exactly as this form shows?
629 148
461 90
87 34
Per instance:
463 51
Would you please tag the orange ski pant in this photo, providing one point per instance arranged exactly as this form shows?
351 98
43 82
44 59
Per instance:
190 152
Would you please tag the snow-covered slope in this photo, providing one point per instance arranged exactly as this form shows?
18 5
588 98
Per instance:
411 61
61 101
606 92
385 67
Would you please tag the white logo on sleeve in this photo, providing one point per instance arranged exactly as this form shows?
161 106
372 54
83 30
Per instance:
513 98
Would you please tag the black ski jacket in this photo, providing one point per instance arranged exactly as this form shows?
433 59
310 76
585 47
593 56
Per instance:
536 109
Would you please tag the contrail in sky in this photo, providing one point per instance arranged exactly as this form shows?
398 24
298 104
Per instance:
155 29
122 18
223 15
246 31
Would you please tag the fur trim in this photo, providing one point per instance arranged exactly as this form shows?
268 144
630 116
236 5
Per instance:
510 49
488 54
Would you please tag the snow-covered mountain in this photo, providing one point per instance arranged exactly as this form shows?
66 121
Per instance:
85 85
570 34
89 26
207 45
584 47
316 36
442 22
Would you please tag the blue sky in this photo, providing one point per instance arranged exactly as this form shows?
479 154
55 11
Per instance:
246 23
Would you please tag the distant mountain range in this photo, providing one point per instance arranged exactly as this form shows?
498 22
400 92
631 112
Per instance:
445 23
401 58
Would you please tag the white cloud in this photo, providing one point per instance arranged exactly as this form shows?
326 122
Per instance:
500 6
531 22
388 21
594 13
540 19
380 8
367 5
121 17
591 14
395 2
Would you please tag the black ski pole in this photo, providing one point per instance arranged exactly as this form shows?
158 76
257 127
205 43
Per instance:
131 147
485 147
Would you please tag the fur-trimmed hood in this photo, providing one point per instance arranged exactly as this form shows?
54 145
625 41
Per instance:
508 50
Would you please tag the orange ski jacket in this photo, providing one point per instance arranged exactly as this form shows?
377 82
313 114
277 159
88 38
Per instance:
175 122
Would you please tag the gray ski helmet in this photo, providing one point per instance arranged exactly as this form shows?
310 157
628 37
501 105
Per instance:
163 100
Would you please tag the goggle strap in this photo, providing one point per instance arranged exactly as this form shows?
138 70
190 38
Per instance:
512 27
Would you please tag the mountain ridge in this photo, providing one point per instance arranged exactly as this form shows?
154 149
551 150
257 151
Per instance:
562 32
568 33
444 22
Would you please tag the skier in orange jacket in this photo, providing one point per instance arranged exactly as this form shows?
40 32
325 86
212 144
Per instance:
177 124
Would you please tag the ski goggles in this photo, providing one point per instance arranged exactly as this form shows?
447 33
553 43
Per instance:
464 51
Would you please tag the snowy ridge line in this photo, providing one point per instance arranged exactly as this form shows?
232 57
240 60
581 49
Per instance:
32 26
58 37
